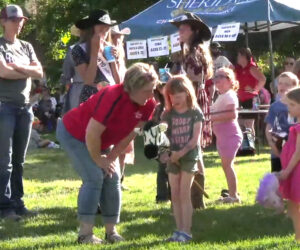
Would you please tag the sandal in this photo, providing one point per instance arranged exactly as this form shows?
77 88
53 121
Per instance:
174 236
113 237
183 237
231 200
89 239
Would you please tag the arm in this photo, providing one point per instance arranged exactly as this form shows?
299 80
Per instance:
115 72
255 72
34 69
293 161
94 131
271 143
176 155
230 113
121 146
8 72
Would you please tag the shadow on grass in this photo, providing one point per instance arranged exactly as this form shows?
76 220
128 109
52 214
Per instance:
57 220
215 225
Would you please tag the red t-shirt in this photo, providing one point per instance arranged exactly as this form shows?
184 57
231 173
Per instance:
245 78
114 109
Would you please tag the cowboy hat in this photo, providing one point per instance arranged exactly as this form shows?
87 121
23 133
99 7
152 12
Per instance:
194 21
115 30
95 17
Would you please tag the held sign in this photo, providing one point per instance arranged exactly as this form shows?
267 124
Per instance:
158 46
175 44
227 32
136 49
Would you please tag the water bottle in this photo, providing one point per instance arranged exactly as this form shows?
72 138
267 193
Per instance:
255 103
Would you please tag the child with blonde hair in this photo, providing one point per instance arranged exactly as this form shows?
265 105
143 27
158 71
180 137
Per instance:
290 160
184 119
278 120
226 128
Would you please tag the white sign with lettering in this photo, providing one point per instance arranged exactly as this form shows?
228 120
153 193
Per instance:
175 44
158 46
136 49
227 32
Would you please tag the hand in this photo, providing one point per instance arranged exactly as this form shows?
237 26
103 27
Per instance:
250 90
175 156
284 174
14 65
115 52
107 165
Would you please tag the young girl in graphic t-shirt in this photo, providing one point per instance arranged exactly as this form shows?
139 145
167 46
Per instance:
226 128
184 119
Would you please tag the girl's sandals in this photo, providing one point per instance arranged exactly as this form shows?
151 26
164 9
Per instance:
173 237
113 237
89 239
230 200
179 236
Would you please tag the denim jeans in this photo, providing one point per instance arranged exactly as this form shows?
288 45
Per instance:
15 129
96 186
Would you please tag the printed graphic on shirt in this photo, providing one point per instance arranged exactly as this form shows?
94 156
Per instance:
181 131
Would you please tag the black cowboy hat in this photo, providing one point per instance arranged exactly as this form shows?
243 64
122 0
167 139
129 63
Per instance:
194 21
95 17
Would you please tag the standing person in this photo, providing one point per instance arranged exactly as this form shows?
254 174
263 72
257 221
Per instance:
226 128
117 37
88 56
290 160
278 120
251 81
197 63
184 119
70 76
18 63
88 132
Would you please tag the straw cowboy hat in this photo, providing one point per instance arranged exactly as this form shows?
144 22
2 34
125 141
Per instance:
115 30
95 17
194 21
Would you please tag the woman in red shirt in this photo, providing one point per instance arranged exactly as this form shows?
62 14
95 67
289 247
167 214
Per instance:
94 134
251 81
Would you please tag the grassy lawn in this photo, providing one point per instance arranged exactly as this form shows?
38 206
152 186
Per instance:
51 187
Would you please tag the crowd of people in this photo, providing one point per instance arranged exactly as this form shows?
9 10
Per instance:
105 102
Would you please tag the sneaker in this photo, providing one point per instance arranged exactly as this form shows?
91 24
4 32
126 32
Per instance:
24 212
184 237
113 237
174 236
89 239
10 215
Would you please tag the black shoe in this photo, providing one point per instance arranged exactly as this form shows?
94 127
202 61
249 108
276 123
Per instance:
10 215
161 200
23 211
224 193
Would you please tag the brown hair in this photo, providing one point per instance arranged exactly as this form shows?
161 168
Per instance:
294 95
246 52
231 76
179 84
291 76
296 68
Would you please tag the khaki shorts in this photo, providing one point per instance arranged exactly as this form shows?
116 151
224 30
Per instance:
187 163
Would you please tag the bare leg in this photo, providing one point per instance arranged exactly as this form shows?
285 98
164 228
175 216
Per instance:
174 180
230 175
185 201
294 211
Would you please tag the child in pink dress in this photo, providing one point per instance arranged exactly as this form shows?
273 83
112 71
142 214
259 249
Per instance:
226 128
290 161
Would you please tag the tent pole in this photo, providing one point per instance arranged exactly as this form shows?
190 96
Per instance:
272 86
246 35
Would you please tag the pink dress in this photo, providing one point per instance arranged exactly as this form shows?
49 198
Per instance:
290 188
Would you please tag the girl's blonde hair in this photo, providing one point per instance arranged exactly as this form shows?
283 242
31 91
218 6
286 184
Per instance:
291 76
139 75
294 95
231 76
179 84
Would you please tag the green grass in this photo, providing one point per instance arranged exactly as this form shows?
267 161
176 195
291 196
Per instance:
51 187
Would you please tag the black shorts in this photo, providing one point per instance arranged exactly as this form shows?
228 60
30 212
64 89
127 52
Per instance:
275 165
246 105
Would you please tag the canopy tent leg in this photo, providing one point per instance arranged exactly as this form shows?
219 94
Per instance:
246 35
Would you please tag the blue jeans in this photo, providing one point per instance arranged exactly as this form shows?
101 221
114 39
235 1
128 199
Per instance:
96 186
15 129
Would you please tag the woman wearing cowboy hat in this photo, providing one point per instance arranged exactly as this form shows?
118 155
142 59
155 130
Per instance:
88 55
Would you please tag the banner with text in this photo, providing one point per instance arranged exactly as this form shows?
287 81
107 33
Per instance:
158 46
175 44
227 32
136 49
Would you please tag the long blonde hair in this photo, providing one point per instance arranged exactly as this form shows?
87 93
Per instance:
179 84
231 77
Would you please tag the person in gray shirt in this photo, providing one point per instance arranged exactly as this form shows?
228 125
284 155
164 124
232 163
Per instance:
18 63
